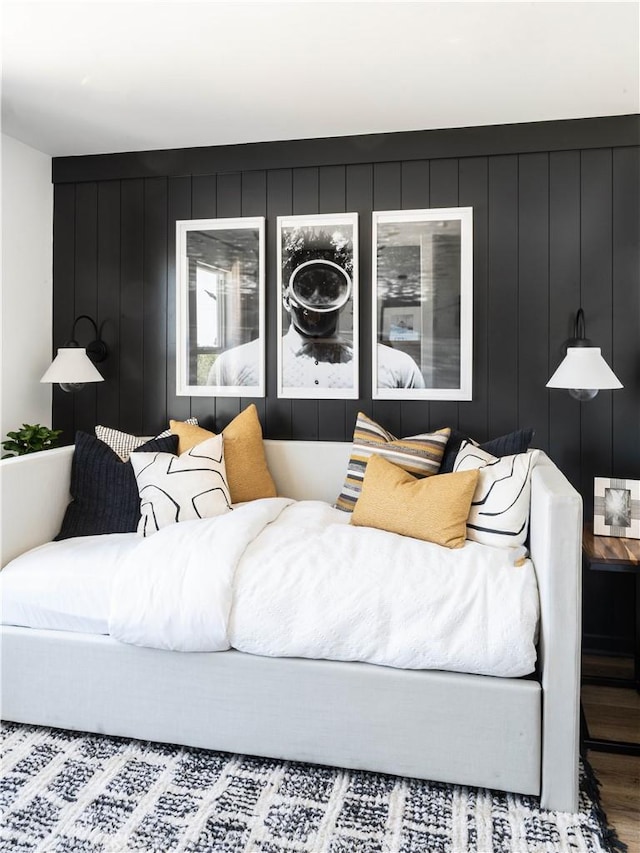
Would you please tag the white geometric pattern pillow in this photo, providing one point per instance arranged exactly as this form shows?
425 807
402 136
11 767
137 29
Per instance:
123 443
499 512
181 488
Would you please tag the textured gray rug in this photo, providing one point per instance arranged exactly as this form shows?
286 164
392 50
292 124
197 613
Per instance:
68 792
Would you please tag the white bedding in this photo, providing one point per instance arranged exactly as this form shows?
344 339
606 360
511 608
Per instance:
280 578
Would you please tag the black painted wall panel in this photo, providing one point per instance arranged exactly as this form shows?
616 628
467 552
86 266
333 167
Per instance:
64 218
108 306
154 290
533 295
86 290
556 222
178 207
131 350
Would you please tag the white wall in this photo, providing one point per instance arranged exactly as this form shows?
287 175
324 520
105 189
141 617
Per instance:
27 284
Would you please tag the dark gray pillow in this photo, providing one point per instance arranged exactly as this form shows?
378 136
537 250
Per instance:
504 445
103 488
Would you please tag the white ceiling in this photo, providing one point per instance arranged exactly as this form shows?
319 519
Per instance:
91 77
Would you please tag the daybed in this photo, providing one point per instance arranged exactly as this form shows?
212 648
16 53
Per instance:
514 734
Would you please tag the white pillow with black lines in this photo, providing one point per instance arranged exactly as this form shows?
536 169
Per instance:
499 514
181 488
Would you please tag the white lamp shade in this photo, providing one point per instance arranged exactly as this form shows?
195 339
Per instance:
584 367
72 365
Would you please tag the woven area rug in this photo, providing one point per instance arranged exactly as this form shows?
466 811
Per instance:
68 792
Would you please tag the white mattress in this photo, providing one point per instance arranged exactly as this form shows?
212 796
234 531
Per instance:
64 586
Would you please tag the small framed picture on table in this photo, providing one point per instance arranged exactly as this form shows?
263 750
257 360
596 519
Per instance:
616 507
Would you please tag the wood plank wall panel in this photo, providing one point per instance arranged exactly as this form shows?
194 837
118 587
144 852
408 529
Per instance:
556 222
108 304
533 294
564 301
131 352
64 220
178 207
86 291
502 332
154 288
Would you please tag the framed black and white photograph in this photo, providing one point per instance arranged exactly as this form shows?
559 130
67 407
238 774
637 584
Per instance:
616 507
422 306
220 307
318 297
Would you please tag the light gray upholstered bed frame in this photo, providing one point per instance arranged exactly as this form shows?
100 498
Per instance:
518 735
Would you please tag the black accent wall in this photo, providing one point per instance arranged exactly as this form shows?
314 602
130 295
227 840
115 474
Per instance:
556 210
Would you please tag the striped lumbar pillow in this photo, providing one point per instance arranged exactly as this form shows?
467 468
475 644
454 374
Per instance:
499 513
181 488
124 443
420 455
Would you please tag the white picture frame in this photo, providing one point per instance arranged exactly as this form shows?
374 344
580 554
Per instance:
616 507
220 307
320 360
422 274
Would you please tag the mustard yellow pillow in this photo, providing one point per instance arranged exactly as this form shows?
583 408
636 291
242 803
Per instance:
247 472
434 508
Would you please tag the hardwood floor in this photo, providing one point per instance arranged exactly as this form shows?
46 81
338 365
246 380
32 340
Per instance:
614 713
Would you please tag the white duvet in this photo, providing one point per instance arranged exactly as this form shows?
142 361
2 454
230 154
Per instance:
275 577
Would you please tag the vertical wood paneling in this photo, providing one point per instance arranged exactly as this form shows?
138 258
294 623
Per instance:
154 327
254 203
86 292
387 195
279 202
533 296
178 207
64 202
204 206
359 199
332 192
473 176
626 312
564 301
107 392
132 305
443 192
502 332
596 288
305 200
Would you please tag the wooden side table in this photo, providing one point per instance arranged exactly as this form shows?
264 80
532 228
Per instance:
614 554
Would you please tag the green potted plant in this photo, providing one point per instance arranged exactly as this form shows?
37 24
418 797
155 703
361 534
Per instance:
29 439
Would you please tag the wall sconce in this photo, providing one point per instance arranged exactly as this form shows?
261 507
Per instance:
583 372
73 366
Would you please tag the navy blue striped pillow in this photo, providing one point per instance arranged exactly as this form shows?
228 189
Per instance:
103 488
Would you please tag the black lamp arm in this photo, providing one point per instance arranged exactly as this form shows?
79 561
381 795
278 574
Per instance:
97 349
579 339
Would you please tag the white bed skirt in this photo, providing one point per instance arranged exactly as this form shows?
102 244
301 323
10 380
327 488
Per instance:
450 727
